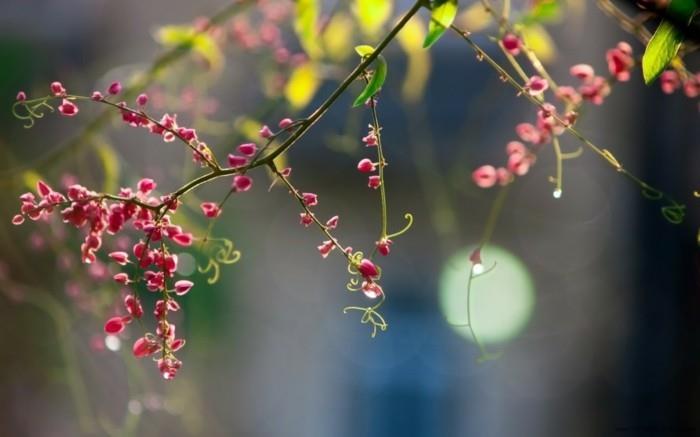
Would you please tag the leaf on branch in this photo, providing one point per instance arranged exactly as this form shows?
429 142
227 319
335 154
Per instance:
378 77
444 13
662 48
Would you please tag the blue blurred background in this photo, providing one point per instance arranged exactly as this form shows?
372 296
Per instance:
593 304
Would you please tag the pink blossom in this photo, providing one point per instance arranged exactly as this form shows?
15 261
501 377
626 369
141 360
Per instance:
366 166
374 182
285 123
144 347
332 222
146 185
306 219
121 258
247 149
97 96
115 88
485 176
68 108
184 239
237 161
142 99
57 89
367 269
582 71
371 289
326 248
536 85
183 286
670 81
210 209
511 43
242 183
265 132
384 246
21 96
115 325
310 199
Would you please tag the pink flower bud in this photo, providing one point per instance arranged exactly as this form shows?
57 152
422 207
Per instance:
210 209
242 183
133 306
97 96
183 286
142 99
306 219
146 185
121 278
519 164
485 176
285 123
310 199
184 239
503 176
18 219
582 71
371 289
367 269
21 96
374 181
237 161
119 257
115 325
536 85
247 149
115 88
366 166
265 132
57 89
144 347
326 248
68 108
384 246
332 222
511 43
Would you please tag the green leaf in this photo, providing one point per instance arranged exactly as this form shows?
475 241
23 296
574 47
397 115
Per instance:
662 48
375 83
306 17
683 10
444 13
364 50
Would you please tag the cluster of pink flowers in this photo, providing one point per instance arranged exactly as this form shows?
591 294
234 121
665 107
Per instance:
671 81
366 165
98 215
550 122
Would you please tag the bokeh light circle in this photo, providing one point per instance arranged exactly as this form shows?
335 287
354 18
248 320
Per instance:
502 300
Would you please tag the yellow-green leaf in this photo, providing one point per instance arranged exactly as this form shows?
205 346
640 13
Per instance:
364 50
444 13
372 14
337 37
418 69
302 85
375 82
662 48
305 26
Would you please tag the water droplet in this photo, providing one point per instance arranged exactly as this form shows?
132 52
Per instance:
556 193
478 269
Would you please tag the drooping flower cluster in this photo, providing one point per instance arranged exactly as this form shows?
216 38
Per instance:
671 80
366 165
550 122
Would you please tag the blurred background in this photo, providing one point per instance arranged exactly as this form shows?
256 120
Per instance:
593 304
